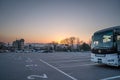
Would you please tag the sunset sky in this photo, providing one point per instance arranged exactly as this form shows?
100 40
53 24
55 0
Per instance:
53 20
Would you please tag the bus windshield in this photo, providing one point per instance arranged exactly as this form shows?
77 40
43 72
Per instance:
102 40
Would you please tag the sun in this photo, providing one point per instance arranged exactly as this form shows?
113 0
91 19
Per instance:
58 39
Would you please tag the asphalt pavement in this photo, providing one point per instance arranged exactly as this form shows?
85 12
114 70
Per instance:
54 66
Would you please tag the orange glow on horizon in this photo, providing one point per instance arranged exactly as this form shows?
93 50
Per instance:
44 39
58 40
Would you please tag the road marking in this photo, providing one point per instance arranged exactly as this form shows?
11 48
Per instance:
34 76
58 69
76 65
110 78
28 60
70 61
30 65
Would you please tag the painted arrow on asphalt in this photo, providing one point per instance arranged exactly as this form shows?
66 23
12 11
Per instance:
36 76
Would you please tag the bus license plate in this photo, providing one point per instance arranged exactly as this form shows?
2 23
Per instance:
100 55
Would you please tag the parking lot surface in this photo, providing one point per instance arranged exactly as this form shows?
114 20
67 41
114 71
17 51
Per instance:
54 66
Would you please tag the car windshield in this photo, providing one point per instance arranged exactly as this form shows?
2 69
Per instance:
102 40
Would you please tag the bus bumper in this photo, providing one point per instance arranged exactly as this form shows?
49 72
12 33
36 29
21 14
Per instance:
109 59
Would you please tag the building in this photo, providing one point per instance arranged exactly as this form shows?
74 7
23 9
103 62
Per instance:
18 44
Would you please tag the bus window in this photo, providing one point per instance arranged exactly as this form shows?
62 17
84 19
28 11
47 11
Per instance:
102 40
118 42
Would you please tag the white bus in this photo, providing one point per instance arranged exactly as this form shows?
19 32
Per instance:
105 46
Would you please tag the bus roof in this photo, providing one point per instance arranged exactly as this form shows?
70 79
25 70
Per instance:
107 29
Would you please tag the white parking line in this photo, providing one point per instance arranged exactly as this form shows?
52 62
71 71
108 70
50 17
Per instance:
58 69
28 60
76 65
69 61
110 78
31 65
39 76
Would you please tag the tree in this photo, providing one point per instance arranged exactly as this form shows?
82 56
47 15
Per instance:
85 47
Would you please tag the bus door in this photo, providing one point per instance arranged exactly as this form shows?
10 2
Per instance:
118 48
